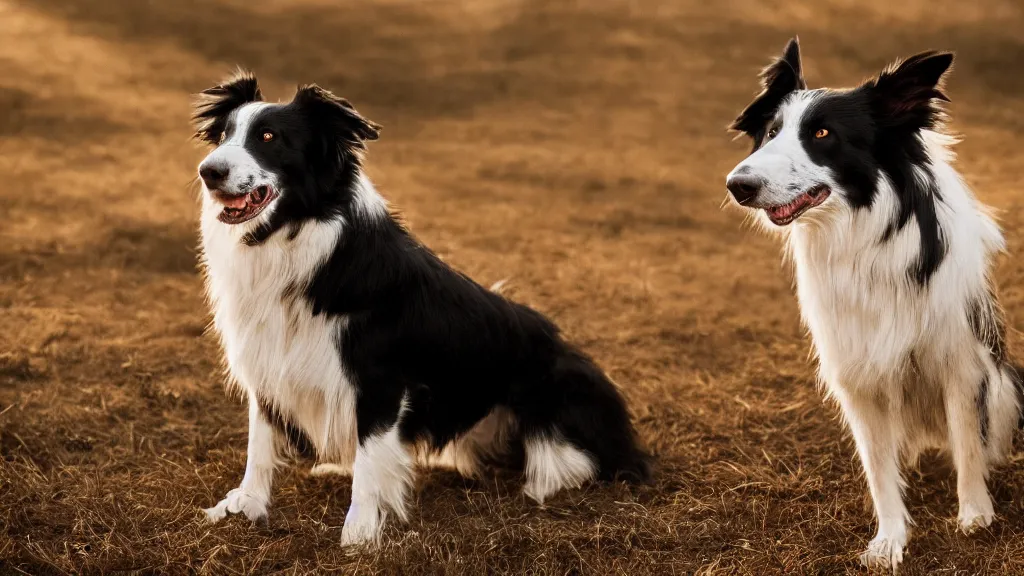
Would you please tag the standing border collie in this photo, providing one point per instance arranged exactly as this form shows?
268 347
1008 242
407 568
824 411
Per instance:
357 343
892 254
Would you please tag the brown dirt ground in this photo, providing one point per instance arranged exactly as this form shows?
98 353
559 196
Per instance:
575 148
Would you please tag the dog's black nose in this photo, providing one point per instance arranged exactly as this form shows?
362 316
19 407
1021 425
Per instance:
213 174
744 187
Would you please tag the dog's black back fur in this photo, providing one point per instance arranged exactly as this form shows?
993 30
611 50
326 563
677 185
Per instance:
417 327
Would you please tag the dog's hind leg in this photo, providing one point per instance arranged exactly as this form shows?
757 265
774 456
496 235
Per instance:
877 435
967 382
487 442
553 463
1003 416
330 469
576 428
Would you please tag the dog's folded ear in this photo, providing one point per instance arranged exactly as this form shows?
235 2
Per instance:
784 76
907 93
214 105
339 118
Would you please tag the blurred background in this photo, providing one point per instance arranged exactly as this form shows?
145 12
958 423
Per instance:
577 149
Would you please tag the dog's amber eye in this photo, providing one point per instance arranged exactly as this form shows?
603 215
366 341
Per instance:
772 133
821 133
268 136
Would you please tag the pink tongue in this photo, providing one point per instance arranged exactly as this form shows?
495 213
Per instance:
791 208
236 202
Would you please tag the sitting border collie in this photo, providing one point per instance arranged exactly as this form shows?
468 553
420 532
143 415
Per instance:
356 343
892 254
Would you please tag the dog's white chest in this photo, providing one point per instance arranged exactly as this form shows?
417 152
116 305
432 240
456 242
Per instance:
850 310
275 347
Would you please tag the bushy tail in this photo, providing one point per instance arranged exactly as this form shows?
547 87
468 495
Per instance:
588 411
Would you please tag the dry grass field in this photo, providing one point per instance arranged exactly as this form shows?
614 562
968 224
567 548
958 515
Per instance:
577 149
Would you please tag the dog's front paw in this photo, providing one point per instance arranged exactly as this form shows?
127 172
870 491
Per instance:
238 500
974 515
363 525
884 552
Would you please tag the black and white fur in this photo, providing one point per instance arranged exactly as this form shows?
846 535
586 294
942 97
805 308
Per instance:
892 259
359 345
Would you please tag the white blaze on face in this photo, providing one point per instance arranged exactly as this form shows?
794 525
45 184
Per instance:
781 165
243 171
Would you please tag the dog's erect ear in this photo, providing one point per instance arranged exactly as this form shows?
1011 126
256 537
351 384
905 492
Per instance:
337 117
906 94
791 56
214 105
784 76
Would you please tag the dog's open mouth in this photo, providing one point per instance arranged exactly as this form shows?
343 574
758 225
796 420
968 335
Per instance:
782 215
240 208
